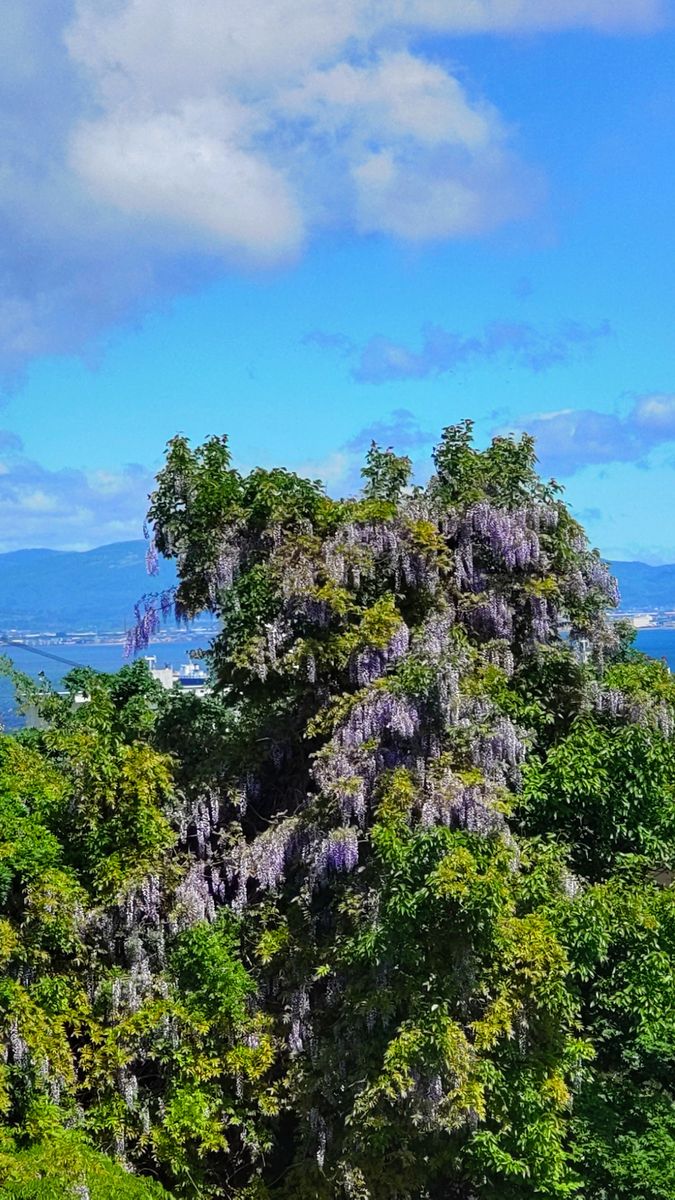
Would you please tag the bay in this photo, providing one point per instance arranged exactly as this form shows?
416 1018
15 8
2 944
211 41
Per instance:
105 657
658 643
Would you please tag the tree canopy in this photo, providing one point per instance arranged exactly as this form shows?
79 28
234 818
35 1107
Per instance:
389 915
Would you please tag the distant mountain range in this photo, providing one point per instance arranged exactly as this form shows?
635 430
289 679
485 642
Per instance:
645 588
58 591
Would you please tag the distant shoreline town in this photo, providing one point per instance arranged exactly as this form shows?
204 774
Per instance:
656 619
112 637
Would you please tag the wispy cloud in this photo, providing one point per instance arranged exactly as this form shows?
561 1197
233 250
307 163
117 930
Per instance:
67 509
382 360
150 144
341 469
401 431
73 509
571 439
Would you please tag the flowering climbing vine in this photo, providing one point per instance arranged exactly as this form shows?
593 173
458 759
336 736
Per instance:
373 921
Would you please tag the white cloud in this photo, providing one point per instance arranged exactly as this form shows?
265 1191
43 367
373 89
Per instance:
332 470
230 120
398 96
167 50
67 509
140 134
422 198
424 160
655 415
187 169
571 439
170 50
233 126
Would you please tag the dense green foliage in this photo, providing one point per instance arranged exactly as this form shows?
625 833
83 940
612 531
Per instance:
387 917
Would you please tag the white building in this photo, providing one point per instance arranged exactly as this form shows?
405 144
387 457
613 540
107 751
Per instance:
191 676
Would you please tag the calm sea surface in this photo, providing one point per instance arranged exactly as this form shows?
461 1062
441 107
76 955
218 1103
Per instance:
660 643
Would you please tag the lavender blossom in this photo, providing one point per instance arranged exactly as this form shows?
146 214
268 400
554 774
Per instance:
610 701
380 713
507 533
264 860
458 806
598 578
166 603
338 853
17 1044
146 625
496 750
541 618
152 558
371 663
434 639
300 1024
491 619
464 570
194 901
127 1084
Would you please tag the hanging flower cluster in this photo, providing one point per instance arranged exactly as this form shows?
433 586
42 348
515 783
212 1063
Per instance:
511 534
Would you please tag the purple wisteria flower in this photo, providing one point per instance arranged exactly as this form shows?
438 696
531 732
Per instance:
540 617
380 713
497 749
264 860
300 1023
513 543
372 662
149 614
491 619
434 638
194 899
152 558
599 578
338 853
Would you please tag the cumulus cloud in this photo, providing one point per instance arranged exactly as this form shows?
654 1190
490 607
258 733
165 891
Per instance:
244 141
382 360
67 509
183 170
419 159
151 144
571 439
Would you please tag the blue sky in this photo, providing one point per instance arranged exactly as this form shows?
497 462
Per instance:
313 223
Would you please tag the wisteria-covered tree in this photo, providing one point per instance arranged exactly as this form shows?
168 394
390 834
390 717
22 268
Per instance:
378 654
387 917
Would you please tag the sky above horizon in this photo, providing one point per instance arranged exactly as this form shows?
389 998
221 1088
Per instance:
310 223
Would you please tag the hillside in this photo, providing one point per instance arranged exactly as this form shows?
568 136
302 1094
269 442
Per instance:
644 587
64 591
61 591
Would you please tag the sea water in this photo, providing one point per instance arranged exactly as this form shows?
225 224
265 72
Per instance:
659 643
105 657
